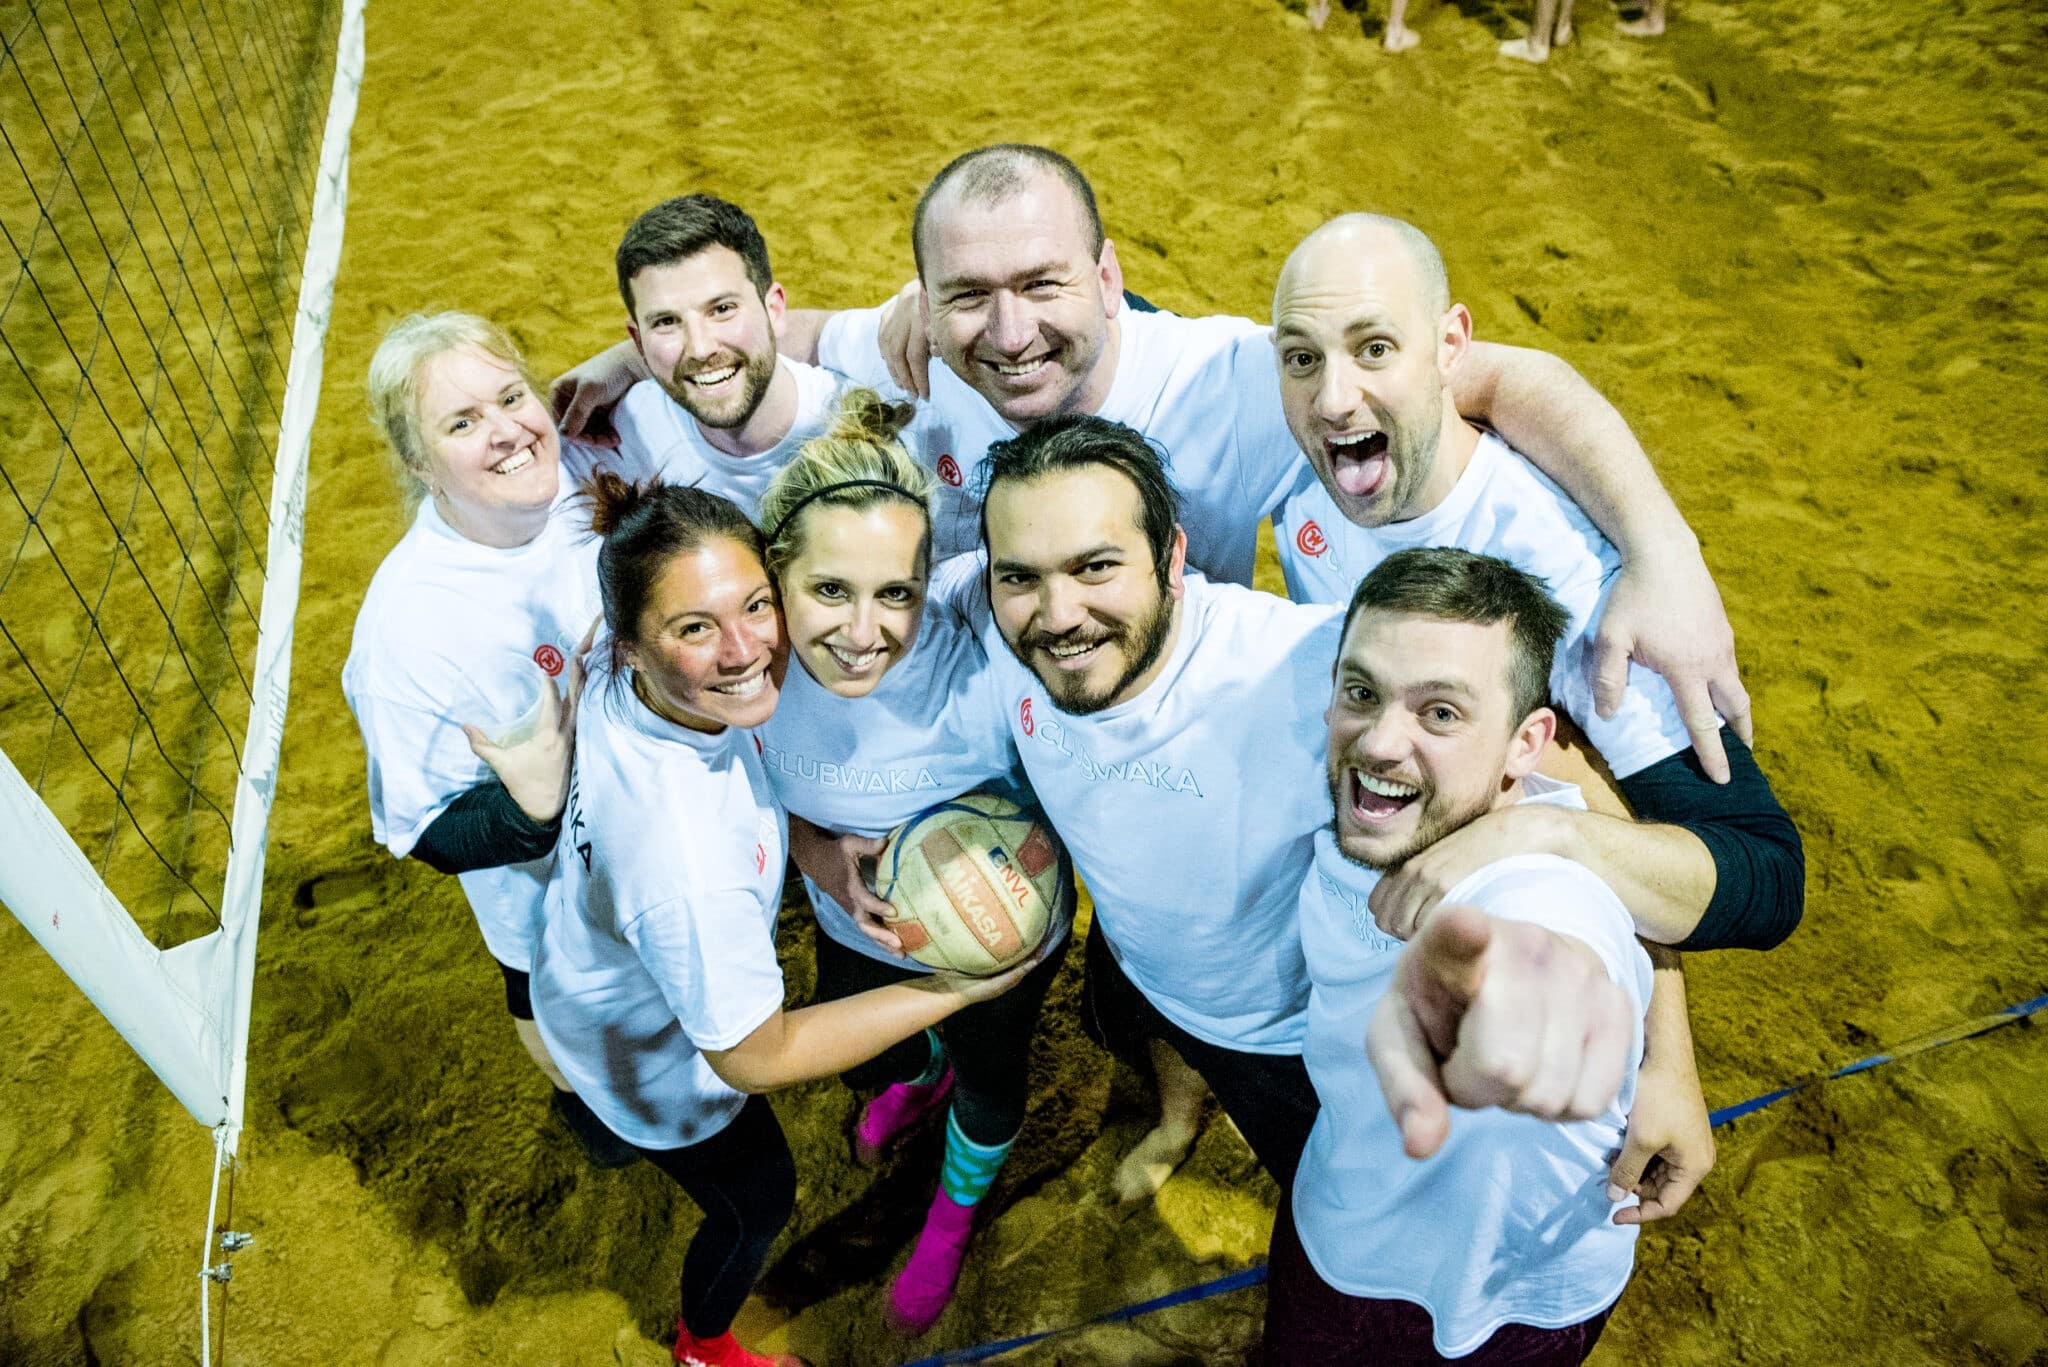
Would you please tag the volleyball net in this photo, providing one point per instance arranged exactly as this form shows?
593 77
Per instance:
171 195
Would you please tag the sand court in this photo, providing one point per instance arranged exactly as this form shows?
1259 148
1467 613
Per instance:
1800 246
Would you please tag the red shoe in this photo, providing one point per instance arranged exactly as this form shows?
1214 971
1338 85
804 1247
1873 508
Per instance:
894 1113
924 1288
725 1351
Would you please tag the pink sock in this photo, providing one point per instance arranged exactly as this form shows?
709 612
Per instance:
895 1112
925 1286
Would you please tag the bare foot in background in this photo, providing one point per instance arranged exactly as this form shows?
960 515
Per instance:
1651 25
1399 37
1526 50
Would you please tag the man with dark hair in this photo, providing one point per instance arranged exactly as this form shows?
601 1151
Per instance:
677 229
1170 727
722 411
1521 999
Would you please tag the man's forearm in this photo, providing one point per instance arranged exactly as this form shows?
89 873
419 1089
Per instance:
1664 875
1667 1026
1547 411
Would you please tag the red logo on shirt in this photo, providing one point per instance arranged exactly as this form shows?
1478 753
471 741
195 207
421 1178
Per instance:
548 658
1310 539
1024 718
760 859
949 470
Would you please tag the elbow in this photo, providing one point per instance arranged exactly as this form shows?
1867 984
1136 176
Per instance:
1760 891
435 859
744 1075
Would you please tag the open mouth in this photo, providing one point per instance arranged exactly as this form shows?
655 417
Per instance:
1358 462
1377 801
514 463
854 662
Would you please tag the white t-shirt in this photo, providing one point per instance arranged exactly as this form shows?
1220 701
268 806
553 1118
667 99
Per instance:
1191 810
660 938
1205 389
450 632
657 436
932 729
1504 507
1509 1220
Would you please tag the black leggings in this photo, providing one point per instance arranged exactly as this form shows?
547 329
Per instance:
744 1181
987 1043
518 992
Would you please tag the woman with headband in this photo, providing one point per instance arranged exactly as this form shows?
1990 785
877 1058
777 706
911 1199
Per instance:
892 711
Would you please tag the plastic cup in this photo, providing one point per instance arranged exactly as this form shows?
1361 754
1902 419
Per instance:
526 723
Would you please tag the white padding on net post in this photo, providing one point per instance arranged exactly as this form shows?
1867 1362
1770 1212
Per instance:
154 997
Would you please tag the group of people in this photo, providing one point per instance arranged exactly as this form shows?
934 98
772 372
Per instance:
1550 26
998 534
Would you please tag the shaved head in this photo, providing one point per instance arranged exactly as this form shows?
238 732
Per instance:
1367 339
1349 237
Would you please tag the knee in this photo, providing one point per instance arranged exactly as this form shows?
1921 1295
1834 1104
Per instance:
990 1116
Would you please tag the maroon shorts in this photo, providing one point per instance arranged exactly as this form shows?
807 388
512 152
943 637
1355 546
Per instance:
1310 1321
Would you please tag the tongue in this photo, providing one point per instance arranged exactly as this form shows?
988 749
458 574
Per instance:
1360 470
1372 804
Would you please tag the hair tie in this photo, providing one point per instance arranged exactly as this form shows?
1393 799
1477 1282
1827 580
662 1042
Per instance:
798 506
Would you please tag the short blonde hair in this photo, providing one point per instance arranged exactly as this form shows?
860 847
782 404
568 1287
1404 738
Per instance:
399 368
854 464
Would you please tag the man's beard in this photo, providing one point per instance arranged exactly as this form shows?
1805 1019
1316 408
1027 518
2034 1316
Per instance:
1140 646
1429 827
756 374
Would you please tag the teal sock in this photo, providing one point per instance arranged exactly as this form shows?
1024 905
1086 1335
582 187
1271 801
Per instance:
970 1167
935 1066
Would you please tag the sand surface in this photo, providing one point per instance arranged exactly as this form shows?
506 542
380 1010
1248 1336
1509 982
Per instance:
1801 246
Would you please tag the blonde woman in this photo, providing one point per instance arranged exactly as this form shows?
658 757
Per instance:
890 711
469 636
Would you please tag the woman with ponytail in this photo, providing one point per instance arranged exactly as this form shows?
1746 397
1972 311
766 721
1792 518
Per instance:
890 711
656 985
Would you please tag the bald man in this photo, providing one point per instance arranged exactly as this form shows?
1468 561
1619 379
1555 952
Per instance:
1368 343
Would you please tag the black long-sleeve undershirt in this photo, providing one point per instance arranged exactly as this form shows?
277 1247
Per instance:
484 828
1759 864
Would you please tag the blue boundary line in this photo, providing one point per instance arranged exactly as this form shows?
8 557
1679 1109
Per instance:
1235 1281
1253 1276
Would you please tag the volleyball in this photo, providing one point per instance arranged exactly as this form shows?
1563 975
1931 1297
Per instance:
972 883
